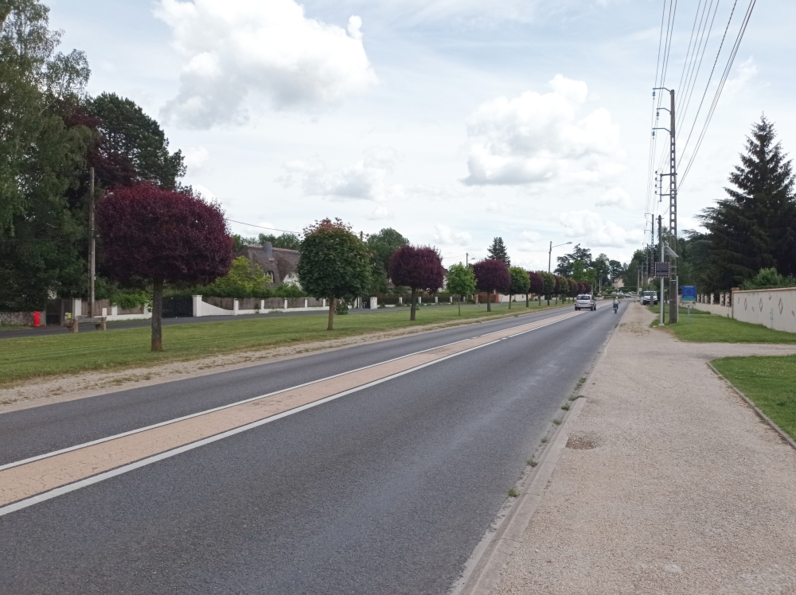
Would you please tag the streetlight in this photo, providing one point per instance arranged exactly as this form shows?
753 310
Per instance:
550 254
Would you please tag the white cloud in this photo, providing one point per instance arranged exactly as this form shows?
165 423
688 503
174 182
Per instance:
744 73
234 50
365 180
536 138
615 197
206 193
592 230
196 158
446 236
381 213
529 241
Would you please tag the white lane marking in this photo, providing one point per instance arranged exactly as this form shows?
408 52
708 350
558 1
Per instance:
213 410
25 503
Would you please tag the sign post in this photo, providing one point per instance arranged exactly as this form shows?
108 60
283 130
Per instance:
689 297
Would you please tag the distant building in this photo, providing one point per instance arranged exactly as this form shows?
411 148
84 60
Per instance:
279 264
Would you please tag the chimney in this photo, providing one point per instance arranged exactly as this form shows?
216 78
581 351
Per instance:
269 250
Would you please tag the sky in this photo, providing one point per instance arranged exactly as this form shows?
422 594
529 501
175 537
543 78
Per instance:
451 121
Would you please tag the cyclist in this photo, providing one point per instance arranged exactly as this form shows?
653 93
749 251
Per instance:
616 304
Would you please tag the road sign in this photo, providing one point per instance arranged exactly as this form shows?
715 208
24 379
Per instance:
661 270
689 293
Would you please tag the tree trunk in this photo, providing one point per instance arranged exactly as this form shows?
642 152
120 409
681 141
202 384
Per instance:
510 297
527 300
330 326
488 301
157 315
414 305
460 304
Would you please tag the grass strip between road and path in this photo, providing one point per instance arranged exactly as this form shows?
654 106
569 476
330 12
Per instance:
48 355
769 382
711 328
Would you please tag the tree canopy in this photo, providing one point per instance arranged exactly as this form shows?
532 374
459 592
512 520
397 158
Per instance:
755 226
382 246
334 263
491 275
520 282
286 240
162 236
419 268
497 251
460 281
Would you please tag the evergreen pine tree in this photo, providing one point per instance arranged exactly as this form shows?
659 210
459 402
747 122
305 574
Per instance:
497 251
755 227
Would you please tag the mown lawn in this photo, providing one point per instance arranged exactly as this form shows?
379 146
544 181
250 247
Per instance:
770 382
28 357
710 328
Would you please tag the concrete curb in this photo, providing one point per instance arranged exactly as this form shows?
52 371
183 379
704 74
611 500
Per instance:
760 414
482 571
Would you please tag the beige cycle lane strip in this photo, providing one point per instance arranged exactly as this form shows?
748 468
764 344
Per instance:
25 483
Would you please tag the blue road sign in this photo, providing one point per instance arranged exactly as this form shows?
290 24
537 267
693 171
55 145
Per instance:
689 293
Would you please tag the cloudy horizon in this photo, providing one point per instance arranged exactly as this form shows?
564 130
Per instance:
450 121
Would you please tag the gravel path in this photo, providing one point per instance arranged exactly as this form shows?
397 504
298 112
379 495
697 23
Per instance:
669 482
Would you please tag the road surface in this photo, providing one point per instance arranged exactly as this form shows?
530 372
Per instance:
385 487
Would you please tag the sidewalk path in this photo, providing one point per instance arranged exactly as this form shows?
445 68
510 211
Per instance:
669 482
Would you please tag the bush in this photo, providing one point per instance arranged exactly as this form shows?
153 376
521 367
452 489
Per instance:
341 307
768 279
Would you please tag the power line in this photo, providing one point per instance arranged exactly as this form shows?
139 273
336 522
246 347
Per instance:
707 86
720 88
264 227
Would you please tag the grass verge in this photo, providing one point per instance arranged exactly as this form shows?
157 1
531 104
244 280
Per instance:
40 356
709 328
769 382
13 327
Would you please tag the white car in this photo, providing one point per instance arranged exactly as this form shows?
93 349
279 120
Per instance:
585 302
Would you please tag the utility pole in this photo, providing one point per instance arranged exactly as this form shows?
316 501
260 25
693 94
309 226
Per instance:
467 259
672 194
92 246
550 256
660 240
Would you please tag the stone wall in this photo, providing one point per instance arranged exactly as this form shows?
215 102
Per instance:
18 318
773 308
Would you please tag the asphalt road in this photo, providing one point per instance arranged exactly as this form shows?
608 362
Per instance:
386 490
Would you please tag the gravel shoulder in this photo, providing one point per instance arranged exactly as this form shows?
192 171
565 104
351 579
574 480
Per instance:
669 483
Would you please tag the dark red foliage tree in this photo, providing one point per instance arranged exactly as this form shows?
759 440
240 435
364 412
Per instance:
491 276
573 288
417 268
161 236
537 284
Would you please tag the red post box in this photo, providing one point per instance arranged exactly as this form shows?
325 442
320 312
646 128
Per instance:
37 319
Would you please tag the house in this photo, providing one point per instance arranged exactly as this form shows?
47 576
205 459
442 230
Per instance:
279 264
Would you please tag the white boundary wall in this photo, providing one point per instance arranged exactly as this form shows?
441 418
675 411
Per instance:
202 308
773 308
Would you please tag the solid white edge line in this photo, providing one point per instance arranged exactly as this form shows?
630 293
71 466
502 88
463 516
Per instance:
219 408
25 503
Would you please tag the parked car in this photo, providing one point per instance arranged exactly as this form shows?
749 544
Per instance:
585 301
649 297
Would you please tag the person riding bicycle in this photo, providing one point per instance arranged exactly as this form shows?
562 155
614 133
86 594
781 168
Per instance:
616 304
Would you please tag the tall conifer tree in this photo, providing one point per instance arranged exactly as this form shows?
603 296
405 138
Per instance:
497 251
755 227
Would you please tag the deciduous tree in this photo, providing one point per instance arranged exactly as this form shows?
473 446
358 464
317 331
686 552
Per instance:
520 282
161 236
382 246
419 268
537 284
334 263
549 285
460 281
491 275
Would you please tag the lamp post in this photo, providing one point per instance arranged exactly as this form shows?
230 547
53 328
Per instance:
550 253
